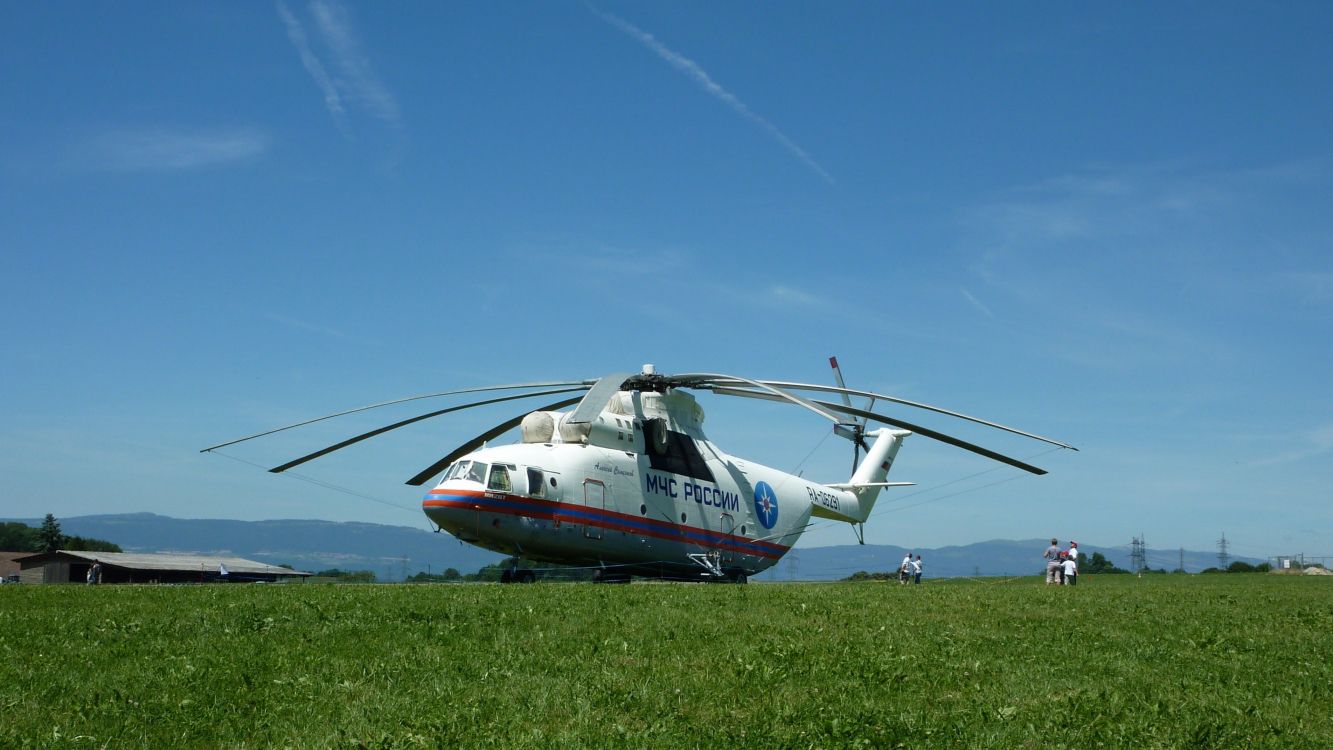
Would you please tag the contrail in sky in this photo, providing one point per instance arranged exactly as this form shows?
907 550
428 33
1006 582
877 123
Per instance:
357 82
692 69
335 25
313 66
977 303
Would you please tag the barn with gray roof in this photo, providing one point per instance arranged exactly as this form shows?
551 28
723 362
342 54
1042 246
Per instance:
67 566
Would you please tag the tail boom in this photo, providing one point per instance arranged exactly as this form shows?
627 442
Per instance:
857 496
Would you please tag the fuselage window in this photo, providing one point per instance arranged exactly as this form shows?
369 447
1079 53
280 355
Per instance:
476 473
499 479
535 487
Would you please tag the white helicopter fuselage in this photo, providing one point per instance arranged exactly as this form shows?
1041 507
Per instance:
628 484
638 490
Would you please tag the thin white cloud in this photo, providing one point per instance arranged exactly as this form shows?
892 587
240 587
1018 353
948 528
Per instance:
171 149
1313 286
1314 443
583 259
304 326
332 99
356 81
713 88
787 295
977 303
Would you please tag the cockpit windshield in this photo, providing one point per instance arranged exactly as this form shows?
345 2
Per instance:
476 473
472 471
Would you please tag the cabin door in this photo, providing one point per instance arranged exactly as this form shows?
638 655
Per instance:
594 497
728 527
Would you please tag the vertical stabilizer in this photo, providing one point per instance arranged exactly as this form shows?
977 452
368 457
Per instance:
868 480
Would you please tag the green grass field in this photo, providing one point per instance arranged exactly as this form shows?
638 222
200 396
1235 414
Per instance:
1228 661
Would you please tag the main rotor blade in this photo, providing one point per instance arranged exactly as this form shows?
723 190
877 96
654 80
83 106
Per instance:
940 436
598 397
704 380
904 402
476 442
918 429
482 389
404 423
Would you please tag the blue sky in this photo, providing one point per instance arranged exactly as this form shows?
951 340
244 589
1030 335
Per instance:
1110 225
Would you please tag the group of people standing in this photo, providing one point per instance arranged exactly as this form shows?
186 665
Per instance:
1061 564
910 570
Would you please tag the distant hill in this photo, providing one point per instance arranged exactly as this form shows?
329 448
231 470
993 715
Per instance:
389 551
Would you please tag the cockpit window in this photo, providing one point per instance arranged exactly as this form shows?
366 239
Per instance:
535 487
454 469
476 472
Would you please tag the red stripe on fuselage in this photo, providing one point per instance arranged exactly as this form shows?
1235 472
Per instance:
487 502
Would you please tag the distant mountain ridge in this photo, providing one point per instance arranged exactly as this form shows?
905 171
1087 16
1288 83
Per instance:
392 552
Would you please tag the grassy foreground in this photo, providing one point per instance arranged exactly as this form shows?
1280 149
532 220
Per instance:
1226 661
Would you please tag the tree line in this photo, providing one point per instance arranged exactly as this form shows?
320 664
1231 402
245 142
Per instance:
487 574
19 537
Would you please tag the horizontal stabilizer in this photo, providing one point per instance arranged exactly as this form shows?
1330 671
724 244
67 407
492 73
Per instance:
858 485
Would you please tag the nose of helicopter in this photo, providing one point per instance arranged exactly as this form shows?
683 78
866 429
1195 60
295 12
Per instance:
449 510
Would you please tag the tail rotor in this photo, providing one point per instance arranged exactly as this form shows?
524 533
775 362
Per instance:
856 430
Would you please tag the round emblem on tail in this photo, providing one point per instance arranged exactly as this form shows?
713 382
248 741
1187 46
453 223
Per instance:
765 505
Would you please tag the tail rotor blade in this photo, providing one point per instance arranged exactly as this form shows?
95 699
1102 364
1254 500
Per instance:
858 441
837 375
473 444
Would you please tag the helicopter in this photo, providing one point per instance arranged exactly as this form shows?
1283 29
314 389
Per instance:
628 484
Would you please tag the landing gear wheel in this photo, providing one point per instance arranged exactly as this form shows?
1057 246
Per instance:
526 576
507 576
